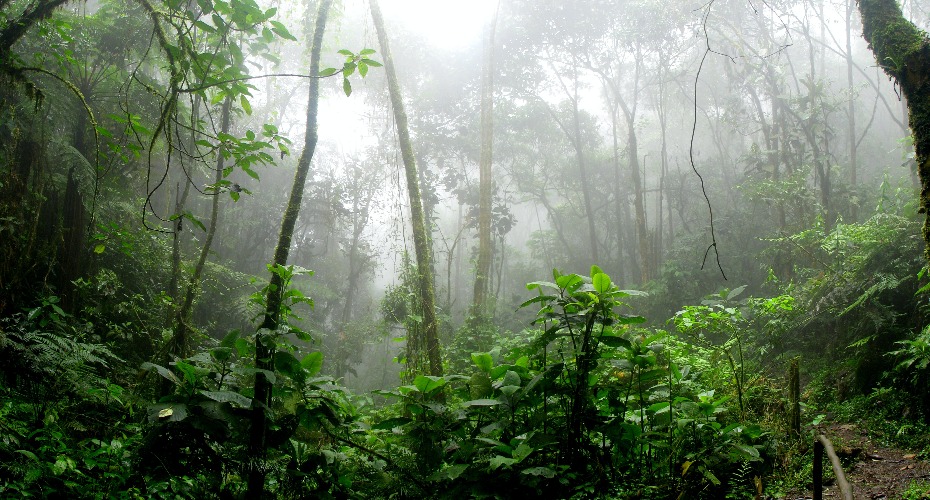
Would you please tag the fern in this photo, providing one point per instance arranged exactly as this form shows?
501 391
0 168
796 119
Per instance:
51 359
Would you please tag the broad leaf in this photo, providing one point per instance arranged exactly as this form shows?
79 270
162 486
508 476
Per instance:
428 383
228 397
482 402
483 360
312 363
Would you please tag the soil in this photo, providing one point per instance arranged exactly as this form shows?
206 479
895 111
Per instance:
876 472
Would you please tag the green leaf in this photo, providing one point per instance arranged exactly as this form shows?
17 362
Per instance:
539 471
247 107
346 87
538 298
601 282
709 475
511 378
453 471
612 341
329 72
750 452
348 69
287 364
99 249
428 383
189 216
499 461
366 52
482 402
536 284
312 363
369 62
625 319
234 195
569 281
161 370
521 452
189 371
736 292
228 397
362 69
282 31
483 360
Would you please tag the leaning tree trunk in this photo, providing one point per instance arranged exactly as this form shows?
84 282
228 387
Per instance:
903 51
264 346
479 302
179 345
421 240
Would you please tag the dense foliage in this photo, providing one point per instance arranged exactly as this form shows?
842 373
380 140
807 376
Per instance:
148 335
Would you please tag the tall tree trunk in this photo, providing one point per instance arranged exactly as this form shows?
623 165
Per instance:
574 137
264 340
360 211
629 114
621 210
583 171
480 296
851 111
903 51
421 240
662 110
179 345
642 233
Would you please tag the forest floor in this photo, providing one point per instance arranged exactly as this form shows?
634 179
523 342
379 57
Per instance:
875 471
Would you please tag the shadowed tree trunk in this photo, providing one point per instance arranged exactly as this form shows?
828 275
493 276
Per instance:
264 340
903 51
421 240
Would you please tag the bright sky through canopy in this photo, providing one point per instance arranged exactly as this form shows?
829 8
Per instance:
445 23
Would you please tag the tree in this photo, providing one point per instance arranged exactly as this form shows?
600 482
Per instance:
485 182
179 344
264 340
903 52
421 239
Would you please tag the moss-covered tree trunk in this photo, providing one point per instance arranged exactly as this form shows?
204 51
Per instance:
421 239
903 51
264 340
15 29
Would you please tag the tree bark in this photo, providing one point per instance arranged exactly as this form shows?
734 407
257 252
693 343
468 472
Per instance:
264 340
421 239
480 296
903 52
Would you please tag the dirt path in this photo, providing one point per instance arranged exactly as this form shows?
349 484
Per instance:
875 472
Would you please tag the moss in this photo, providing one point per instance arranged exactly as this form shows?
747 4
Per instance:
903 51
